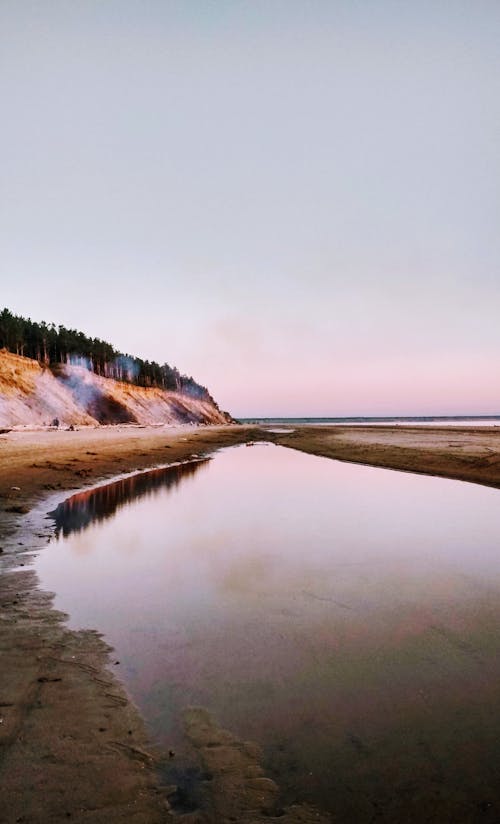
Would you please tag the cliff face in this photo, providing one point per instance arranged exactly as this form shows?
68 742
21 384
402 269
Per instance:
32 395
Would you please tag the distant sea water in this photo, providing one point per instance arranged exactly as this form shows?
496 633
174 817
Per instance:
417 420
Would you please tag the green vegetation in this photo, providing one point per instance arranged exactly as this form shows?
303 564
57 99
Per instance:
51 345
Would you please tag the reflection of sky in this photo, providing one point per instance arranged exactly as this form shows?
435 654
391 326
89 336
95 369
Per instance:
303 600
297 203
273 519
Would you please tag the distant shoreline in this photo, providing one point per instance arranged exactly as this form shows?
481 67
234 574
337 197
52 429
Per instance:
444 420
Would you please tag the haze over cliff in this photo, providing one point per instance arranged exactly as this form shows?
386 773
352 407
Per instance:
32 394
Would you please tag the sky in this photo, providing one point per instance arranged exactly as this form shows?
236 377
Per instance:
295 202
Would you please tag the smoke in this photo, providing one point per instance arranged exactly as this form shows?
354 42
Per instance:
83 387
79 360
125 368
122 368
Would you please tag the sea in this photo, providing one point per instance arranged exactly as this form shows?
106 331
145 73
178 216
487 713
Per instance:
410 420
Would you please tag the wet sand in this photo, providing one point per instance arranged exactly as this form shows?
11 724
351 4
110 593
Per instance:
466 454
72 747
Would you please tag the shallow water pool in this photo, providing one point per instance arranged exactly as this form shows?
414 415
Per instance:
347 618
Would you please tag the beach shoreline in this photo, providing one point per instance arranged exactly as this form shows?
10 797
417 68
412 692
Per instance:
58 764
457 453
96 763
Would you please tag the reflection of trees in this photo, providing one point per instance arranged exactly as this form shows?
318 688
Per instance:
79 511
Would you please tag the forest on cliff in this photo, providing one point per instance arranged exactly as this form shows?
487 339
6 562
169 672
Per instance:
51 345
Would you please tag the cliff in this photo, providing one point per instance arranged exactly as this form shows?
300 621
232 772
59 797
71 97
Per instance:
34 395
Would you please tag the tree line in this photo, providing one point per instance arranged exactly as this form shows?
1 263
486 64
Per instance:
51 345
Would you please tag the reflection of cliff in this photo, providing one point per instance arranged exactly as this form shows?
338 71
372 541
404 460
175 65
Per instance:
79 511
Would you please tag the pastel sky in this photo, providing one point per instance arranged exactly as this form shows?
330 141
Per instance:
295 202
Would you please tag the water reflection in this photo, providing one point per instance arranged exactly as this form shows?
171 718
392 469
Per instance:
347 618
80 510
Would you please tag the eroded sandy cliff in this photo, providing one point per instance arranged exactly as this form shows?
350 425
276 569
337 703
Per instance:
33 395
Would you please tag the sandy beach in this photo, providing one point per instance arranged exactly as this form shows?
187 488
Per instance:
73 747
462 453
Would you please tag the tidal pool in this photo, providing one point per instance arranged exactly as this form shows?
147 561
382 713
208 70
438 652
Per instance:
347 618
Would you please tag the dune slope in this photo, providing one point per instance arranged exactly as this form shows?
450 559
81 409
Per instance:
34 395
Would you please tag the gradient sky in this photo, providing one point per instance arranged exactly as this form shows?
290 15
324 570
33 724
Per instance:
295 202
